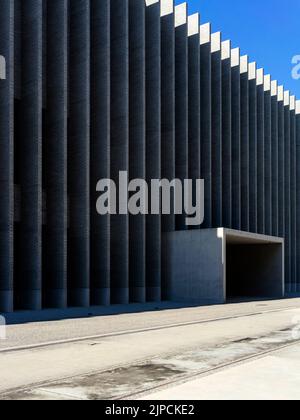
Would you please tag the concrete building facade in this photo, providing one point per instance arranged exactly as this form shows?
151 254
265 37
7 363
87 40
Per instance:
90 88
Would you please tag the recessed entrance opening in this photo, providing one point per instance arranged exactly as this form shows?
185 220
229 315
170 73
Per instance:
211 266
254 267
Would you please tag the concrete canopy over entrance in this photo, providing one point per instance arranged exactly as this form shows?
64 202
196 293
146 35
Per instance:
213 265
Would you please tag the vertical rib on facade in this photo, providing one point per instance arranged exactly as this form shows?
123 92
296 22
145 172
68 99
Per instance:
93 88
29 281
153 145
79 154
55 156
7 158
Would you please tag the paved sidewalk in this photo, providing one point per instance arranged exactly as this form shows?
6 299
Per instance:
117 319
181 343
274 377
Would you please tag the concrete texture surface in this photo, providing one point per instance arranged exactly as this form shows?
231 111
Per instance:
100 148
250 381
153 145
253 204
194 98
55 153
182 101
94 369
79 155
226 134
119 145
206 111
245 161
137 145
236 138
6 151
260 152
29 281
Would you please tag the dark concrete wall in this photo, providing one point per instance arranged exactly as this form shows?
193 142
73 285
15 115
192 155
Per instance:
153 146
79 153
93 88
55 156
7 157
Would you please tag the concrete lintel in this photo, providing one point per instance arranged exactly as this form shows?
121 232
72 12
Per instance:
244 64
235 57
181 14
226 50
280 93
274 88
233 236
205 33
252 70
166 7
267 83
216 42
193 24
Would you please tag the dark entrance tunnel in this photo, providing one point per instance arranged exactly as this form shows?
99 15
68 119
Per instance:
254 270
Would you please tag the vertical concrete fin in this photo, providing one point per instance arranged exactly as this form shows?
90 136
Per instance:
287 189
7 155
236 138
206 113
275 161
281 158
168 148
137 146
216 129
194 99
79 154
260 152
297 110
226 135
168 100
252 73
244 66
119 146
181 106
55 156
293 194
100 149
268 155
153 145
29 284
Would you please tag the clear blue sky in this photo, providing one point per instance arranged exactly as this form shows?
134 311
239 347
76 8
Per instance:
267 30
